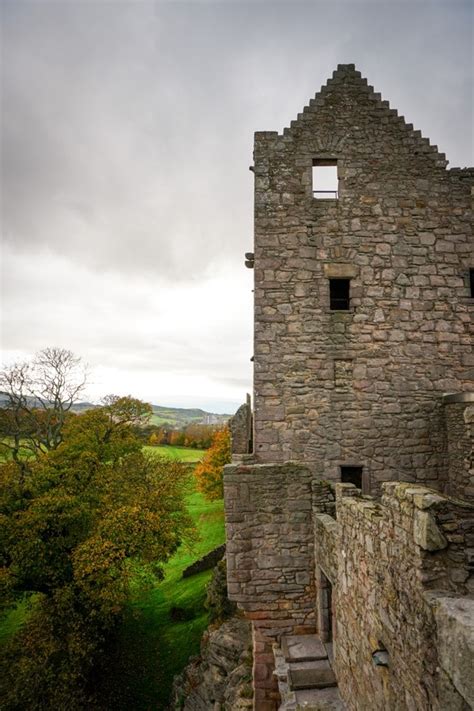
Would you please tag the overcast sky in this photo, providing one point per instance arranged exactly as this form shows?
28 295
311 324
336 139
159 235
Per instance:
127 132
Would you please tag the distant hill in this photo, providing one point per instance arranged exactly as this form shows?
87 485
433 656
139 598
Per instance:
174 416
33 402
179 416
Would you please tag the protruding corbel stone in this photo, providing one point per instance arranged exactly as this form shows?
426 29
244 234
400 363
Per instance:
249 260
426 533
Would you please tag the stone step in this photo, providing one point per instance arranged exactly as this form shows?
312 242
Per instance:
319 700
302 648
315 675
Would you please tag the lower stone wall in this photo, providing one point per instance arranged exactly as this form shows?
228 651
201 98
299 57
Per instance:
270 559
304 555
389 555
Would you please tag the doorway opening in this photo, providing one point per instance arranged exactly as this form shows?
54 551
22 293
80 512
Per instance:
325 611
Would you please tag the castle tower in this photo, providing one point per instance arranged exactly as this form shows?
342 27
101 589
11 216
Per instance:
363 265
364 369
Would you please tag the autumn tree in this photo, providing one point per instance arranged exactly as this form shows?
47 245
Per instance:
38 397
92 514
176 438
198 435
154 439
209 471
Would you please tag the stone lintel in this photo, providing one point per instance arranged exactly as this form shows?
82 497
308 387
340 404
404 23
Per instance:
339 270
458 397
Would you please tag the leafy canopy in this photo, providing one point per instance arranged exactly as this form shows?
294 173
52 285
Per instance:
77 523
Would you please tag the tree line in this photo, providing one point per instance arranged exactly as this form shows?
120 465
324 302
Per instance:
196 436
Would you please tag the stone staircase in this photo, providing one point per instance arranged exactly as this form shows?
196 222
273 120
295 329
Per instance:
306 680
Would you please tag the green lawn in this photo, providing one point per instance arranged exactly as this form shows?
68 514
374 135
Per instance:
183 454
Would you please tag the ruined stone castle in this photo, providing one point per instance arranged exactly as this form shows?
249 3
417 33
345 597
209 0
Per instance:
350 499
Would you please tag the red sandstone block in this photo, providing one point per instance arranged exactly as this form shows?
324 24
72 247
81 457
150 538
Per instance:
265 705
266 658
258 615
304 629
261 673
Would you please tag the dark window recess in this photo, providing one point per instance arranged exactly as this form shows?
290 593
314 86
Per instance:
339 294
352 475
471 282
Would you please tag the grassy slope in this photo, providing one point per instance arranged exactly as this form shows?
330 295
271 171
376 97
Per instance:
152 648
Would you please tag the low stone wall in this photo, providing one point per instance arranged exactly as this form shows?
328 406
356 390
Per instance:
207 562
390 554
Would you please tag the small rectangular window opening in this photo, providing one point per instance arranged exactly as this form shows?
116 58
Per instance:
471 282
352 475
339 294
325 180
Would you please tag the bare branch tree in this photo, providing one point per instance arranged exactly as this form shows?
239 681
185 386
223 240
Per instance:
38 398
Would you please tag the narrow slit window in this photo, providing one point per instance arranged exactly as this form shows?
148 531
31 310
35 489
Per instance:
339 294
352 475
471 282
325 180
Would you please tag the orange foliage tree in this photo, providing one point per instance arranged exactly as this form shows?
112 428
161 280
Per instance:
209 472
154 439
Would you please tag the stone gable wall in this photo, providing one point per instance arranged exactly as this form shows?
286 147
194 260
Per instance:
360 387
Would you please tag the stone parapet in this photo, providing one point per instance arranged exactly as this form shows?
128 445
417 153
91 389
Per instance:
391 554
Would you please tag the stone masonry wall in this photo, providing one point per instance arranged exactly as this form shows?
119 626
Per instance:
459 418
241 430
391 555
270 559
361 386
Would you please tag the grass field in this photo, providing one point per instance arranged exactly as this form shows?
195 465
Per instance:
183 454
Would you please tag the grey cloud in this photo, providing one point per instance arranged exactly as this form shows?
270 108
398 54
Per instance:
127 131
127 126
